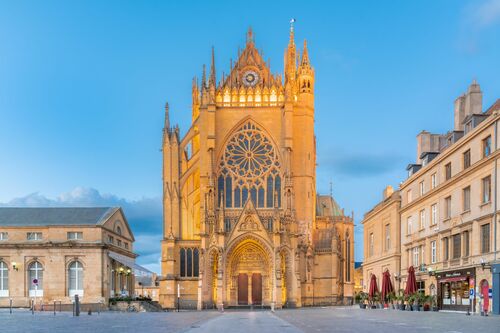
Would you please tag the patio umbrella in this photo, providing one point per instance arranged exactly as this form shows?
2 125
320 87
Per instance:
411 282
373 286
386 285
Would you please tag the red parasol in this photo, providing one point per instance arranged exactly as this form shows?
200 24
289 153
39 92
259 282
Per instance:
386 285
411 282
373 286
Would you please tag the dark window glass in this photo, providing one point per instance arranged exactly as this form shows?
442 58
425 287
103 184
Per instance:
189 262
261 197
447 169
183 262
466 198
237 199
466 244
253 194
487 146
348 261
445 248
229 195
485 238
269 191
467 159
456 246
196 263
244 196
277 188
227 224
220 189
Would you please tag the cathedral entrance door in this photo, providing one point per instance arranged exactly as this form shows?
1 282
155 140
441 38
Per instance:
257 288
242 289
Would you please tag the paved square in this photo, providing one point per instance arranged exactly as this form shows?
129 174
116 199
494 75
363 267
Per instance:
331 319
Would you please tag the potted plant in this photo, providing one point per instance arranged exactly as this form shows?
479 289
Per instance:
411 302
392 298
421 298
427 303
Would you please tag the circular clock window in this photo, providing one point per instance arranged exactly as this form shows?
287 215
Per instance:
250 78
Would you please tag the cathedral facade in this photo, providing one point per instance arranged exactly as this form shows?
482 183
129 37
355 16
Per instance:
243 224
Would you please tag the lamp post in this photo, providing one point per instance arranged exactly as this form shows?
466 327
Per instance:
178 296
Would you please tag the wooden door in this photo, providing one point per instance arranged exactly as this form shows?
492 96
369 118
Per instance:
256 288
242 289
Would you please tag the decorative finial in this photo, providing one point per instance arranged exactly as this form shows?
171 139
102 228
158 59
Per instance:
292 21
204 77
249 35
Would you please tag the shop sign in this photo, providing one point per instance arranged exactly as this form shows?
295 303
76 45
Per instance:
490 293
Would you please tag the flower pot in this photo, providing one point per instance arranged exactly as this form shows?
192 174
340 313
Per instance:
435 308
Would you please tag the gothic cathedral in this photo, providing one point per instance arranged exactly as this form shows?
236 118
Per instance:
243 224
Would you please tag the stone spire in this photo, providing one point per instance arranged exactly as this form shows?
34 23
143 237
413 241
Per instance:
212 79
305 57
290 56
166 125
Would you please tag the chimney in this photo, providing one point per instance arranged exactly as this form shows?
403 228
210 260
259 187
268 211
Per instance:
423 144
388 191
459 113
473 99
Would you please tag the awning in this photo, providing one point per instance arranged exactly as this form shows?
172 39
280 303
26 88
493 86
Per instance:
124 260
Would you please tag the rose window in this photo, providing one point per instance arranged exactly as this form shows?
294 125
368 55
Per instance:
249 169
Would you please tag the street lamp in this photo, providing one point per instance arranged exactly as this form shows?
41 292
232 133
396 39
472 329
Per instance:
15 266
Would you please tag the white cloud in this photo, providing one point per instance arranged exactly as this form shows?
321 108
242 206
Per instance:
144 216
486 14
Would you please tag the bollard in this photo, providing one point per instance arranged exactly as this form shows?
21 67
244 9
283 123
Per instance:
90 312
77 306
54 307
10 301
32 307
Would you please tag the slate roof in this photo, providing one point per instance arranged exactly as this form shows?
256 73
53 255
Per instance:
19 217
327 206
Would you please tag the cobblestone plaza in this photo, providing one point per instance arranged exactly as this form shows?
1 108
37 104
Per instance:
329 319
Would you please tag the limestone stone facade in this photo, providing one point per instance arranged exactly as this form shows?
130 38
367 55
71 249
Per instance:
449 209
69 251
242 221
382 239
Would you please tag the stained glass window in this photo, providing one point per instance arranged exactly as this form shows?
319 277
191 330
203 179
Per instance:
249 163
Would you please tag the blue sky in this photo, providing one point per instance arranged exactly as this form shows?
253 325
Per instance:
83 85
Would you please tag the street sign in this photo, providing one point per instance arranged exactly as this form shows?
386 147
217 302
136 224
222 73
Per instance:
471 293
490 293
35 281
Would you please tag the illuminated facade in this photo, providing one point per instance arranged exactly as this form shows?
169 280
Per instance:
242 221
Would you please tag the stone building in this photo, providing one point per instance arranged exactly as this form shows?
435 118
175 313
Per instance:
242 221
382 239
449 206
53 254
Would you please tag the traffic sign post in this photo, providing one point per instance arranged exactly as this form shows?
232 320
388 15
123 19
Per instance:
35 282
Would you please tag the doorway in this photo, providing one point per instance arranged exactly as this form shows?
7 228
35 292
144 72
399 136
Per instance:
256 288
242 289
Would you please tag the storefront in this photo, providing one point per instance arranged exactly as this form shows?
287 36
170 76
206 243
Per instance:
453 289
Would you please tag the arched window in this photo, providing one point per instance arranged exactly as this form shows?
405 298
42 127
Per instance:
229 194
220 189
261 198
277 188
253 195
75 279
35 273
244 196
270 192
4 280
118 230
237 199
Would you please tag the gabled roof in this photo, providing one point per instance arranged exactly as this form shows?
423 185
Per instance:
48 216
327 206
